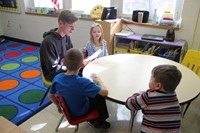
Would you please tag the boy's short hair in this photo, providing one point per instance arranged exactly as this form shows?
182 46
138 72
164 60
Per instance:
73 59
67 16
168 75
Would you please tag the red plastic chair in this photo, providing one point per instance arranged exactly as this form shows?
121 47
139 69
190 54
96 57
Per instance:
85 54
91 115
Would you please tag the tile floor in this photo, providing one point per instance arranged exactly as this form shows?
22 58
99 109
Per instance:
46 120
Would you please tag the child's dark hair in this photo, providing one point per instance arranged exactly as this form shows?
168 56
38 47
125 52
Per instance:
73 59
168 75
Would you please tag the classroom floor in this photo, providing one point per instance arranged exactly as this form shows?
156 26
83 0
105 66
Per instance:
46 120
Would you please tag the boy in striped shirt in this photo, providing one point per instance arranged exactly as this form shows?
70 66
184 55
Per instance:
159 104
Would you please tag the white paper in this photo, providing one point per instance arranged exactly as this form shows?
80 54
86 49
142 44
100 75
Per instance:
124 33
95 55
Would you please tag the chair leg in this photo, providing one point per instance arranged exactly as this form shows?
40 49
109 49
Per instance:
44 96
91 126
133 114
77 126
61 119
185 110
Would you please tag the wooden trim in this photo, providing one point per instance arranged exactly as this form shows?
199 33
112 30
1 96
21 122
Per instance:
56 15
123 21
41 14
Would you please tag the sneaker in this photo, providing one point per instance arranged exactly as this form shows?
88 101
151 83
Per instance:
102 125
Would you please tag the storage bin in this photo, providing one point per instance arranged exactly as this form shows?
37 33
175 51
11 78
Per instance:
135 51
167 56
117 49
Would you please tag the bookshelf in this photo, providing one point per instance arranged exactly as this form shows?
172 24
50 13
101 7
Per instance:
134 44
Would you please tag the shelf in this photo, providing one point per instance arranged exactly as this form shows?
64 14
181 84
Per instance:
135 45
150 25
56 15
42 14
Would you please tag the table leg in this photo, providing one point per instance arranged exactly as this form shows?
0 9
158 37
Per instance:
133 113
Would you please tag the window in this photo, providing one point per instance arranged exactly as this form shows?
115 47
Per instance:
150 5
124 7
47 3
87 6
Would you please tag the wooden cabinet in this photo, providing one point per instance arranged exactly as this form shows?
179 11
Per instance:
110 27
174 50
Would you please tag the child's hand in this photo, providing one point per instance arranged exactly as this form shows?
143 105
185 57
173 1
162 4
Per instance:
85 63
95 78
138 93
62 62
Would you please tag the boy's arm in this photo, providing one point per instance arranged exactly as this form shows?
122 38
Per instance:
103 91
132 102
55 101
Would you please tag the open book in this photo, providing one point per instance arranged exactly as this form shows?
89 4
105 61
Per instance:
95 55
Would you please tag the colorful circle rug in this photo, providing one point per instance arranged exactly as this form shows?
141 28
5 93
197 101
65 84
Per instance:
21 86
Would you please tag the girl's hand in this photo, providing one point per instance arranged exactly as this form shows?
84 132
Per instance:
85 63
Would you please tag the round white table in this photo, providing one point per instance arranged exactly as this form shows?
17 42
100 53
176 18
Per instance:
126 74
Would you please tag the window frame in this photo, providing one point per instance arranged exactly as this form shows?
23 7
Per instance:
67 4
177 12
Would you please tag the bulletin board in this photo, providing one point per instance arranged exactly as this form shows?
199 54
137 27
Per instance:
10 6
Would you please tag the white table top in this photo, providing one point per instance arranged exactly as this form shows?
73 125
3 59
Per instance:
125 74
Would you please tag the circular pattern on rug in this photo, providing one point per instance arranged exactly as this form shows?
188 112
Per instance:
12 54
31 96
30 74
14 45
2 49
10 66
29 49
30 59
8 84
1 59
8 111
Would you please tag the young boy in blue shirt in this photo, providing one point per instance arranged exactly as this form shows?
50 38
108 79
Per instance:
80 93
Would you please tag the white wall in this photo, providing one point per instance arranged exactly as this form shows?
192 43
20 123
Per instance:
30 27
1 30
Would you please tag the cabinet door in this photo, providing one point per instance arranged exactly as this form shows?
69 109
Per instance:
196 39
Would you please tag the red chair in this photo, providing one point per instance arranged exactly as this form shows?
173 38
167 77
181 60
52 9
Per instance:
91 115
85 54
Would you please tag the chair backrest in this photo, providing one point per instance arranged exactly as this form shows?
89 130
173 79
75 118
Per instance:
192 61
85 54
91 115
65 108
46 82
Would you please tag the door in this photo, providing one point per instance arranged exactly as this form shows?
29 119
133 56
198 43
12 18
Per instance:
196 39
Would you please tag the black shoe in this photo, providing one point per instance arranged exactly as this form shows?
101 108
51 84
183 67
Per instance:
101 125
